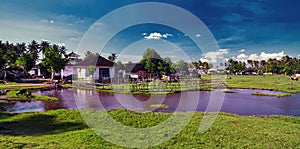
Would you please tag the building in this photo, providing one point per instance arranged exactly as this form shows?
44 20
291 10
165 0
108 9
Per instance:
136 70
104 69
67 73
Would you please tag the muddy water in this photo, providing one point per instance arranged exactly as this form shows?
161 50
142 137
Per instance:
241 102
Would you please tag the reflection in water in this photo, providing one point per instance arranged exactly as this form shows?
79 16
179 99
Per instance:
241 102
27 106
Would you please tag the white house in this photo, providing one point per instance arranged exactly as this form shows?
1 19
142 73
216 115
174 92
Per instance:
104 69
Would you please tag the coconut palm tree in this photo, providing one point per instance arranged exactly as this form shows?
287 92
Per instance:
33 49
43 46
20 48
113 57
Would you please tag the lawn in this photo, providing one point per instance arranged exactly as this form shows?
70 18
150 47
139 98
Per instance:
20 86
66 129
266 94
274 82
14 94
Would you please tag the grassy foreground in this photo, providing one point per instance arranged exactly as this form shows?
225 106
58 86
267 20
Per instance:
66 129
274 82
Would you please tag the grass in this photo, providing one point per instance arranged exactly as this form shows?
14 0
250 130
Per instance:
13 94
266 94
66 129
16 87
68 86
159 106
274 82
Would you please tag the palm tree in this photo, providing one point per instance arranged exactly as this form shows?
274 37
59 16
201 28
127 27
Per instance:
263 64
43 46
256 64
113 57
62 50
33 50
250 62
20 48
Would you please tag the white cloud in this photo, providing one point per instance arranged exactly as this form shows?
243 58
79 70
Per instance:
242 51
157 35
213 57
144 34
47 21
74 39
230 39
261 56
198 35
242 56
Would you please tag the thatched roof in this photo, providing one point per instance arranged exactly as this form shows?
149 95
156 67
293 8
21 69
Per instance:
135 67
95 60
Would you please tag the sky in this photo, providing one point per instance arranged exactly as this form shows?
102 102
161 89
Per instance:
253 29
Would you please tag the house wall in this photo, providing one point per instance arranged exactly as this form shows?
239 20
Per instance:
96 73
81 72
112 71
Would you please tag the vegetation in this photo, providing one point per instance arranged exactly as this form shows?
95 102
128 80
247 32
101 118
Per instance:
159 106
112 57
266 94
274 82
202 65
287 65
66 129
18 86
155 64
26 56
14 94
91 69
54 59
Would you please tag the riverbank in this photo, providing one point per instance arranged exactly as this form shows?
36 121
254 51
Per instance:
66 129
28 86
206 83
274 82
13 95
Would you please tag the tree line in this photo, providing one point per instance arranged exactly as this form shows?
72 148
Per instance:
286 65
157 65
54 57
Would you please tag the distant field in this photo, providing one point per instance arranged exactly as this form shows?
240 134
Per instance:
275 82
66 129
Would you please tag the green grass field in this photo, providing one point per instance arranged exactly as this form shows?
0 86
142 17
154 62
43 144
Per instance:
66 129
275 82
13 94
266 94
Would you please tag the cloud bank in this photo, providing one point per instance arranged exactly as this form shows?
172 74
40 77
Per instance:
157 36
262 56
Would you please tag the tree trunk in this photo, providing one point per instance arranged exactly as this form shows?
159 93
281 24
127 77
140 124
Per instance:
52 74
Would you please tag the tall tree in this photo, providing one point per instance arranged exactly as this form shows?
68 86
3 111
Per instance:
152 60
43 46
54 60
181 65
34 50
20 48
250 62
25 60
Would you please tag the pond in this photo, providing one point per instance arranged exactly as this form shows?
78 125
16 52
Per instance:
241 102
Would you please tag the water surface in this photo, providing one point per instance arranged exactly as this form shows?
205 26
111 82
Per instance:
241 102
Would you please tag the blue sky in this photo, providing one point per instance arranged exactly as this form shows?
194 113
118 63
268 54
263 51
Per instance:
243 29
